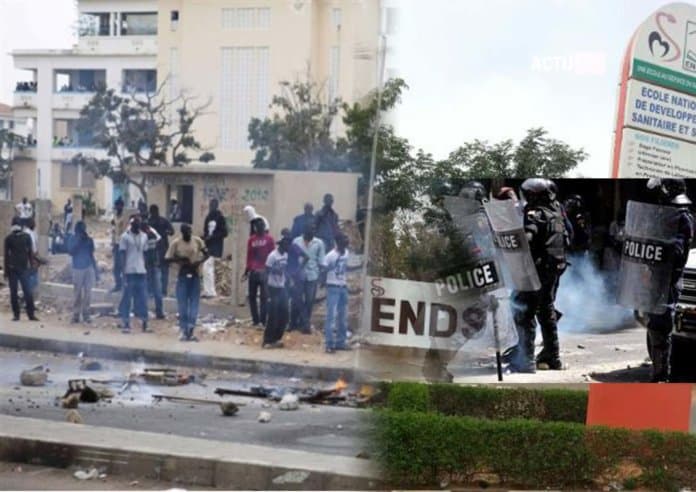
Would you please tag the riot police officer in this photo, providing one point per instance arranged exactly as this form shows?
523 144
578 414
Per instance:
473 190
546 233
672 192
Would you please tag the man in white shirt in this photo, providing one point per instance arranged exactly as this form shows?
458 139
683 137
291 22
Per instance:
24 211
276 265
132 246
335 263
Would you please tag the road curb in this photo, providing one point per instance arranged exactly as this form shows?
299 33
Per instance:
188 359
178 459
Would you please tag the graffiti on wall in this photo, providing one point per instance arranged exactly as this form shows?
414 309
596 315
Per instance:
232 197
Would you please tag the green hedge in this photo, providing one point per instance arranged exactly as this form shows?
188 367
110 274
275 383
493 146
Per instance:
418 448
488 402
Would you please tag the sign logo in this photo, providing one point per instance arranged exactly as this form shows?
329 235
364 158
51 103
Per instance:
660 43
689 63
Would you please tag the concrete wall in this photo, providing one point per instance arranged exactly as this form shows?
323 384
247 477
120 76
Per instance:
23 179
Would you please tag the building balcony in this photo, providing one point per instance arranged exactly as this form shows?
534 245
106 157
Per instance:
24 99
71 100
121 45
27 152
63 153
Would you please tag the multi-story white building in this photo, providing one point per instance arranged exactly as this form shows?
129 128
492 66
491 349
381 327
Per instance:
117 46
233 53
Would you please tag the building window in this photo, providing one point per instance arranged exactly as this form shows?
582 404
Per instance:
244 93
174 16
334 72
66 80
93 24
138 23
336 15
69 175
246 18
75 176
139 81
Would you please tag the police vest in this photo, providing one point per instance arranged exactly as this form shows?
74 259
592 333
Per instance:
550 243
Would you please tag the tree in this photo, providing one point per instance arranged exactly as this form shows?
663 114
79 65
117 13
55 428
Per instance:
9 141
137 130
535 155
298 134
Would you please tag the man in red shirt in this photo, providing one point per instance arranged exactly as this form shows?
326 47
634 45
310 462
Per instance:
259 246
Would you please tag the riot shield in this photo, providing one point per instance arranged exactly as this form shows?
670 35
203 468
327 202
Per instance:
506 220
647 258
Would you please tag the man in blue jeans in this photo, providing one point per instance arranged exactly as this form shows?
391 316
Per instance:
336 263
189 252
305 284
132 247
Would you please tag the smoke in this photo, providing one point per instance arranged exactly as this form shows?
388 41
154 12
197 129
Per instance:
587 298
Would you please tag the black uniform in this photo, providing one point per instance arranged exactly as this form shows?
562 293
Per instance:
660 325
546 230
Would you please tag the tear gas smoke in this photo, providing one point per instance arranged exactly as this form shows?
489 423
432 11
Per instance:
587 298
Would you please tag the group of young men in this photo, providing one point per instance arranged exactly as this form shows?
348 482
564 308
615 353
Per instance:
283 276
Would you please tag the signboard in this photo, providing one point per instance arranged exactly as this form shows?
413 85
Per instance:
445 314
657 95
646 155
662 111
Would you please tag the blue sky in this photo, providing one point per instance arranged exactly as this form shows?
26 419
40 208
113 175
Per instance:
492 69
485 69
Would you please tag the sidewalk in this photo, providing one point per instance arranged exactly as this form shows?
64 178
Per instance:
191 461
159 348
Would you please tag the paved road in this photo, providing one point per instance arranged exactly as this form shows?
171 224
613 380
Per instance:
319 429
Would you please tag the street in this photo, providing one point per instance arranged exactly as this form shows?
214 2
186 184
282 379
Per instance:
313 428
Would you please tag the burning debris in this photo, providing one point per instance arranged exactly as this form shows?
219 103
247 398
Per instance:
339 394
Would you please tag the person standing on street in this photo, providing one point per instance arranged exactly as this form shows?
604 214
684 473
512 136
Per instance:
214 234
152 267
259 246
36 261
276 265
175 211
300 222
313 249
326 223
164 229
84 272
189 253
336 263
18 253
118 227
25 211
132 247
68 216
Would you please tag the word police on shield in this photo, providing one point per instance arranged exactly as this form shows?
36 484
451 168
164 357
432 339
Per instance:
415 314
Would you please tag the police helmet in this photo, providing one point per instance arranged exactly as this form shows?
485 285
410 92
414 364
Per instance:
473 190
669 190
536 190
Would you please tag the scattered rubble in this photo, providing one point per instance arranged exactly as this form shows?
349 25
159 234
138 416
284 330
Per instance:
73 416
91 365
228 408
90 474
289 401
264 417
71 401
33 377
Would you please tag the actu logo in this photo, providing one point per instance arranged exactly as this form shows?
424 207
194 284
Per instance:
660 43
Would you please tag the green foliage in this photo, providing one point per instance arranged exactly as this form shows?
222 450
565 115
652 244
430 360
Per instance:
8 142
139 131
420 449
89 206
489 402
408 396
299 135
